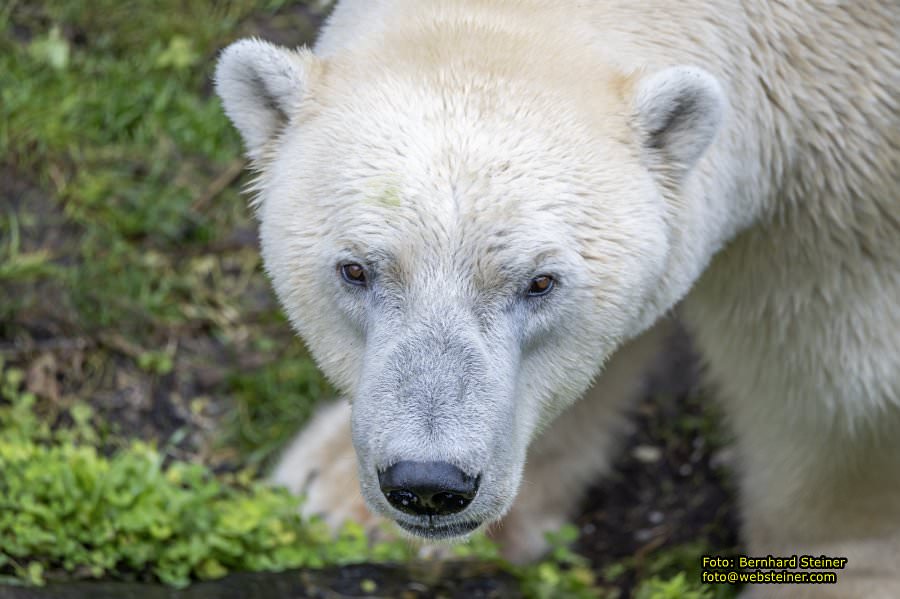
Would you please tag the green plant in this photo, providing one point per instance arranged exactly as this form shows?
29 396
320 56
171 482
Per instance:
272 403
669 573
69 511
77 504
676 587
563 575
16 264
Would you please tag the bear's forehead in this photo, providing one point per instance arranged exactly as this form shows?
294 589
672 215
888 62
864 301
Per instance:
468 176
447 159
449 139
390 226
444 205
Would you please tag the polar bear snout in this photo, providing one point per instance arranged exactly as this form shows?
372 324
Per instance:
428 488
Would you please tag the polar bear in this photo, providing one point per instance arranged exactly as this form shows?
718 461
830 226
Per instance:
478 214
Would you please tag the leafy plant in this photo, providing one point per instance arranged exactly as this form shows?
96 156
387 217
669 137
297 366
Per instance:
69 509
565 575
676 587
671 573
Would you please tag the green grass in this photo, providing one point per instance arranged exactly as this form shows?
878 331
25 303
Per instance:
272 404
122 200
120 130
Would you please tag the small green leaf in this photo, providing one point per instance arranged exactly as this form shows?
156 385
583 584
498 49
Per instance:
179 54
36 573
51 49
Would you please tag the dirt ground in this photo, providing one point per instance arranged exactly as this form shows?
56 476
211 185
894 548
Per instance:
671 484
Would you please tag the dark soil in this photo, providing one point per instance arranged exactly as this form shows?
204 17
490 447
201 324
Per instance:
433 580
670 485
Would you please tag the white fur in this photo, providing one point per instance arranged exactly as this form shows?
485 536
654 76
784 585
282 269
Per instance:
680 109
737 158
261 86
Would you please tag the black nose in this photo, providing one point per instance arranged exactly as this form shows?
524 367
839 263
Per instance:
427 488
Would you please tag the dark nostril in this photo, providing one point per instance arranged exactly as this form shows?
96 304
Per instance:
403 500
427 488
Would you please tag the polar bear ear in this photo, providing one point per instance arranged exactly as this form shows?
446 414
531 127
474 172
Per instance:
261 86
679 110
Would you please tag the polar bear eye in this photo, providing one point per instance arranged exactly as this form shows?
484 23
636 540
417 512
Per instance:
353 273
541 285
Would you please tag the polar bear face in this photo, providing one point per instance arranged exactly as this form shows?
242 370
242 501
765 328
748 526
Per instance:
461 248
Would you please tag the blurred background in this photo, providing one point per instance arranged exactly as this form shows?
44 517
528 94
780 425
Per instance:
148 377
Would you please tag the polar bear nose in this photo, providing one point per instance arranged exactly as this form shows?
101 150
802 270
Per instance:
428 488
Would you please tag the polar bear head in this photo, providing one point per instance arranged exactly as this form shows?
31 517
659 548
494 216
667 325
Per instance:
461 243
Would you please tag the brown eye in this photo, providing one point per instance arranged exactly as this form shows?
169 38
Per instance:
353 274
541 285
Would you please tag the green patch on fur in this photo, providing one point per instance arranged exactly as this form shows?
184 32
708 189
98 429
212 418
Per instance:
384 191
